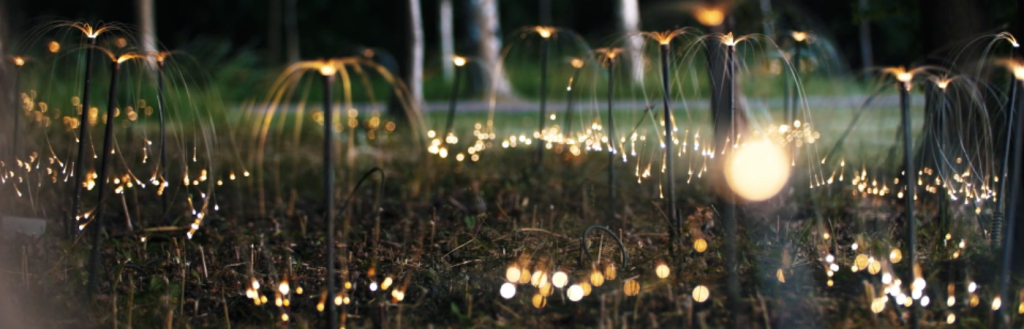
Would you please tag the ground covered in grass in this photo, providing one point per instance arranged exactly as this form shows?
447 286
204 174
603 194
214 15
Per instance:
438 243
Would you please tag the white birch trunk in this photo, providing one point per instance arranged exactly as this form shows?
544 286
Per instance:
629 24
415 78
488 23
447 39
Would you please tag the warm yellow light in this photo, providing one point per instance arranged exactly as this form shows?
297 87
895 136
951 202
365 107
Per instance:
799 36
874 267
631 287
544 31
1018 71
942 84
54 47
387 283
609 272
398 294
950 318
559 279
596 278
878 305
996 303
576 63
662 270
861 261
327 70
975 300
701 293
18 61
895 256
524 278
709 16
512 274
545 289
459 61
283 288
284 317
539 301
757 170
700 245
781 275
728 39
586 288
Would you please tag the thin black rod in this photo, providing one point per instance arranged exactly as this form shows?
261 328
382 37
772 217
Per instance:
669 168
611 142
622 247
567 124
451 105
1011 221
543 99
96 227
17 113
910 179
328 80
1010 113
732 278
163 132
941 140
83 131
794 93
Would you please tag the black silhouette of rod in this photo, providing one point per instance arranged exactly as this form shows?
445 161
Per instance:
567 123
163 130
328 81
1011 221
450 121
731 264
669 168
611 141
910 183
17 110
96 227
83 131
543 99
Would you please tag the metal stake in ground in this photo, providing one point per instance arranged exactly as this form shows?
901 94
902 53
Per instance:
669 168
83 130
18 62
163 132
328 71
577 64
459 63
732 279
545 34
96 227
1011 220
910 179
1011 109
611 136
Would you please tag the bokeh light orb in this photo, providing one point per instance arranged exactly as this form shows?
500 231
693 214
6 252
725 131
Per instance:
575 293
757 170
508 290
701 293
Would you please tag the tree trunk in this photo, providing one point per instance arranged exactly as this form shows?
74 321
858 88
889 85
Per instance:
414 78
147 26
447 39
292 28
866 54
629 24
489 27
274 33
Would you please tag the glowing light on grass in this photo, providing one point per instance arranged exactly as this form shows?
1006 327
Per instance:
701 293
398 295
283 287
559 279
997 303
609 272
780 275
700 245
596 278
19 61
971 287
508 290
662 270
575 293
631 287
459 61
895 256
925 300
386 283
951 318
539 301
758 170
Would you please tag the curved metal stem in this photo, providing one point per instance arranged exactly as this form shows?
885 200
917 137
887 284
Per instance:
622 247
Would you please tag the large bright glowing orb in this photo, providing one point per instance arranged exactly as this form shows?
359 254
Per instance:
757 170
